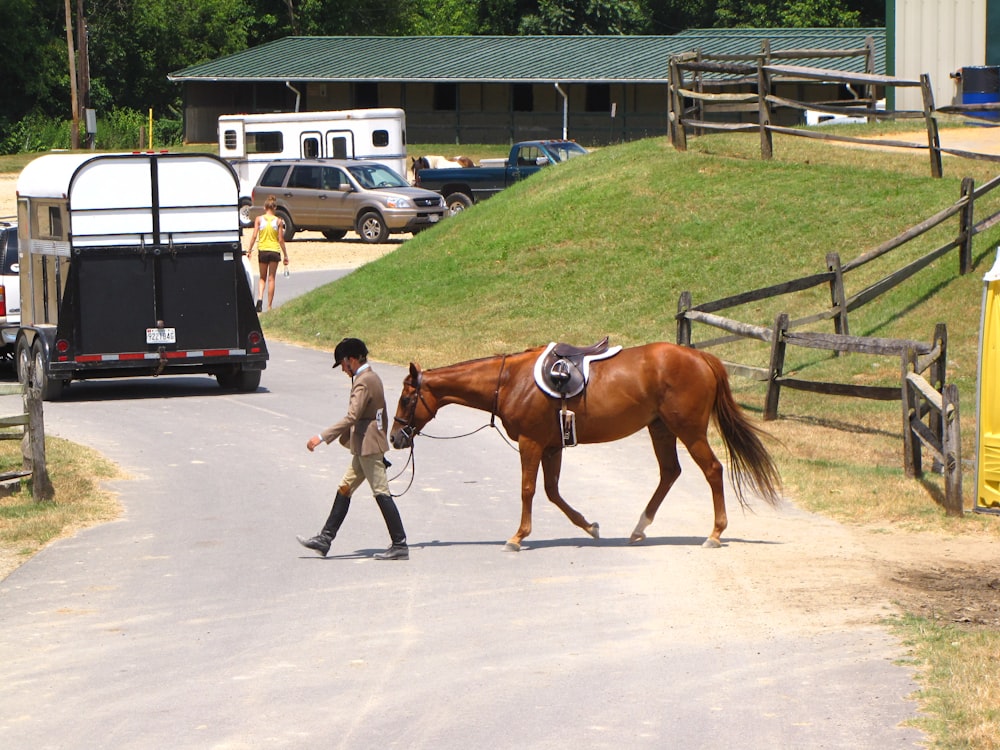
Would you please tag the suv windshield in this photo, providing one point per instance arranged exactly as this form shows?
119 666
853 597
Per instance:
565 151
376 176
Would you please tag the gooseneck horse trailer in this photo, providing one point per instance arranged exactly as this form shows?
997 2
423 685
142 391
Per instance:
251 141
131 265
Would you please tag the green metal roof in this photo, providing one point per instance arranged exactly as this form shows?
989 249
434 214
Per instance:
569 59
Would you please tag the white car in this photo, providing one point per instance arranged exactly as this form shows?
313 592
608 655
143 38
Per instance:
825 118
10 289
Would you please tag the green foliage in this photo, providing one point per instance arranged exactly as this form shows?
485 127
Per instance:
788 13
119 130
586 17
35 133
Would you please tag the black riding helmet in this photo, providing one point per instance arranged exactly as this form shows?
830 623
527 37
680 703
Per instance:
349 348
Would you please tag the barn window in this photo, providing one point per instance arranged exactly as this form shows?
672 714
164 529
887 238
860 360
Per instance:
366 94
445 97
522 97
598 97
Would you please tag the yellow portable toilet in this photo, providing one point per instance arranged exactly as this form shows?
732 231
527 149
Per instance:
988 449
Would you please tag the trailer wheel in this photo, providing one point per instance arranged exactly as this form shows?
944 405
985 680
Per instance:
245 204
457 202
290 229
22 360
372 229
49 389
236 378
334 234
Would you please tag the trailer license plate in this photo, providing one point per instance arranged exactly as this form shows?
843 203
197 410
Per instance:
161 336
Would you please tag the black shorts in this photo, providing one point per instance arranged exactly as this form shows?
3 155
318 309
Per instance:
268 256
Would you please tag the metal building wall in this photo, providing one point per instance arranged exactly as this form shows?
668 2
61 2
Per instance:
938 37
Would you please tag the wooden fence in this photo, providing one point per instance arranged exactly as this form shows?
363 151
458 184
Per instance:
28 426
941 433
728 85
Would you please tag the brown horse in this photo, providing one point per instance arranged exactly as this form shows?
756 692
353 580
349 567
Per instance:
670 390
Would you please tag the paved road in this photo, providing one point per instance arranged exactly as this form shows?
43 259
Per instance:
197 621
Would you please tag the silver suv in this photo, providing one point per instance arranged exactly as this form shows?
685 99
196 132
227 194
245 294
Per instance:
334 196
10 290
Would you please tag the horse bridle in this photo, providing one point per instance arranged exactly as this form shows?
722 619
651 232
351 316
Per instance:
418 397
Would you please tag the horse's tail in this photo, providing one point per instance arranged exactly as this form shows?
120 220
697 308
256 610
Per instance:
750 465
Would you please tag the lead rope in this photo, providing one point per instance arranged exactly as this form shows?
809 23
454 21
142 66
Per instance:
411 460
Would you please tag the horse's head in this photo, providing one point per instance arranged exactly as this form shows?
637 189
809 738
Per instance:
417 406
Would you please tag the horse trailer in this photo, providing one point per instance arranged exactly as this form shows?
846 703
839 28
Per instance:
132 264
249 142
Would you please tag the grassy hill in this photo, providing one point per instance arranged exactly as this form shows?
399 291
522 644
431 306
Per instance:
605 245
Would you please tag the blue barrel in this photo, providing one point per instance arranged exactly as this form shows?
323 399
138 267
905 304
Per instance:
981 85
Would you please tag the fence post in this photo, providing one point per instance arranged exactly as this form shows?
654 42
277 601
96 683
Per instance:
683 324
938 374
870 70
677 103
951 449
967 223
838 297
911 447
776 367
33 442
764 109
933 139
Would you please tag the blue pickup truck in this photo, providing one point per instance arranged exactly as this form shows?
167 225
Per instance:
464 186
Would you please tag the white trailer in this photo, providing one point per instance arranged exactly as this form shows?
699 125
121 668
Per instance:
249 142
131 264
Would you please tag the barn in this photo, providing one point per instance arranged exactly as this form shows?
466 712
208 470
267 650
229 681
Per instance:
482 89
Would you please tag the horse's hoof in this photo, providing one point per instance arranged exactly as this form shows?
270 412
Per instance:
637 536
594 530
512 547
711 543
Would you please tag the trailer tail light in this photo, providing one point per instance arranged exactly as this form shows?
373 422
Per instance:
3 301
253 342
62 347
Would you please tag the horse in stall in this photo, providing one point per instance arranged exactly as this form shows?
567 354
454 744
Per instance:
438 162
672 391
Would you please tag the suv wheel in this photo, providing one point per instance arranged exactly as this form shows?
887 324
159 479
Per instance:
290 229
371 228
334 234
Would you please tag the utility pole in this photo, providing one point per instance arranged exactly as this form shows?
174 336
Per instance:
75 130
83 51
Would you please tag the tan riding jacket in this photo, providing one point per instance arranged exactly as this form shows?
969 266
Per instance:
364 428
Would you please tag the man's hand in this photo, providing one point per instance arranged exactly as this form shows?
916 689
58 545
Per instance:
313 442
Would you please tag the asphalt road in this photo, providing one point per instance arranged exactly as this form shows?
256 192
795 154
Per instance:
197 621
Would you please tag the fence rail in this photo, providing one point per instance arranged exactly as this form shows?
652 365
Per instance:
940 434
704 80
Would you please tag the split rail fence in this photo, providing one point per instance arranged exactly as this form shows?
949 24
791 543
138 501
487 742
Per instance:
28 426
922 390
736 85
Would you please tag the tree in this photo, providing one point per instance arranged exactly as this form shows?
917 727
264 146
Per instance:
788 13
130 70
33 51
587 17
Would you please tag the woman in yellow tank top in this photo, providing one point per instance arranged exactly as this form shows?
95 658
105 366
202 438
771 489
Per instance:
269 234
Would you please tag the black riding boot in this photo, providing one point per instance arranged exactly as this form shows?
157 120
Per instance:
398 550
321 542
